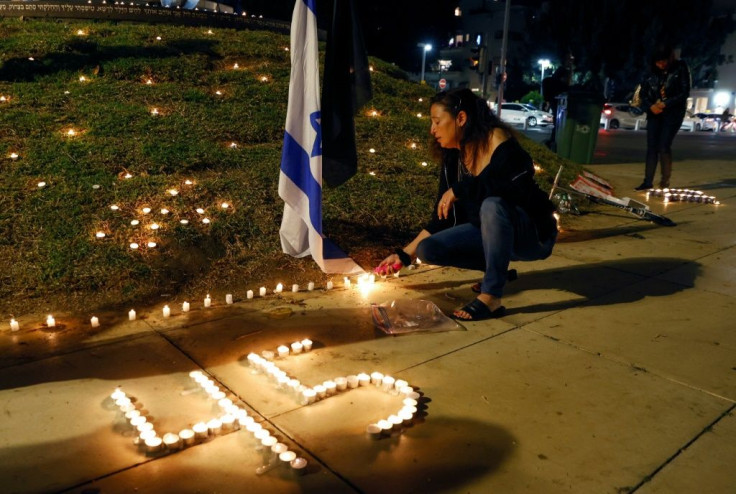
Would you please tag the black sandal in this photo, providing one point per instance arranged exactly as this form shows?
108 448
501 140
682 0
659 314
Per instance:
479 311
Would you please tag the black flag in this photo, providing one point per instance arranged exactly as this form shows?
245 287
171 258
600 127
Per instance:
346 87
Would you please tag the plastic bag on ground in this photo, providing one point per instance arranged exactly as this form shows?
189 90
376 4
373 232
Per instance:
411 315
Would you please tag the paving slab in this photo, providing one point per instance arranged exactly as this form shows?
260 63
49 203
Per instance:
518 412
227 464
716 273
665 328
700 467
58 417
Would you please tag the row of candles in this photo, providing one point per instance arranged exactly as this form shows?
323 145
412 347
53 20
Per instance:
306 395
365 281
682 195
231 419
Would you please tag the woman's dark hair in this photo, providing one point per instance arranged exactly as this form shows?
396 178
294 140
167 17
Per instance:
480 122
662 51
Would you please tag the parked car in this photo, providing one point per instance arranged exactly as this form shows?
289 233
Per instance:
690 123
623 115
518 113
708 121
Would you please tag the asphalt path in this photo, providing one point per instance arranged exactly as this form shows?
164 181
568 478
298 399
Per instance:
629 146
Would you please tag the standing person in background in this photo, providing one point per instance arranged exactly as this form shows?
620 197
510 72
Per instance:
725 119
664 97
552 87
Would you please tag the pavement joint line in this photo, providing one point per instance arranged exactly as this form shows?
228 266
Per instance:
110 474
620 360
708 428
94 346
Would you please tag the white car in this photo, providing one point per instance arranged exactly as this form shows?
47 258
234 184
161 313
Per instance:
520 113
690 123
623 115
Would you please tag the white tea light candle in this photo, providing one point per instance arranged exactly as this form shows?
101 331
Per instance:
185 307
262 291
306 344
207 301
95 322
14 325
294 288
310 286
166 311
249 294
131 315
50 321
229 299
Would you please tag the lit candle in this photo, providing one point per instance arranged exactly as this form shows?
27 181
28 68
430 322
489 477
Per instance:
138 420
200 430
329 285
172 441
153 444
385 426
353 381
330 387
151 245
400 383
320 390
41 185
283 351
287 456
249 294
14 325
214 426
374 431
167 311
122 401
131 315
341 383
154 111
95 322
364 379
396 422
387 383
117 394
406 416
50 322
146 210
347 282
298 466
187 436
306 344
131 414
207 301
134 246
309 396
262 291
13 156
279 288
294 288
296 347
410 402
229 299
310 286
376 378
228 422
185 307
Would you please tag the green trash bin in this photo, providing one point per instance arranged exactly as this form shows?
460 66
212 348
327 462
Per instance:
576 126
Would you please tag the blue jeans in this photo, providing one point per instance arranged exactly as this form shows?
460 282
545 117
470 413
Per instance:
506 233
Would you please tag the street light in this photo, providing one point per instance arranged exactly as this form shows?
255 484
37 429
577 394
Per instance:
545 65
425 48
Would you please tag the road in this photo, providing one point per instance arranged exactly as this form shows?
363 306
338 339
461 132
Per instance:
629 146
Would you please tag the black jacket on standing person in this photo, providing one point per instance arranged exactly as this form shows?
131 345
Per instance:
672 87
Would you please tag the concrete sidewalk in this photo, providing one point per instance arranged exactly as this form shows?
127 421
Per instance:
615 371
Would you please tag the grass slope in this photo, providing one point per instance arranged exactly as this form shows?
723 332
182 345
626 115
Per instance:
123 155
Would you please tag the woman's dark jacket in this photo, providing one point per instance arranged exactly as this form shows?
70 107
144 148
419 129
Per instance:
672 87
510 175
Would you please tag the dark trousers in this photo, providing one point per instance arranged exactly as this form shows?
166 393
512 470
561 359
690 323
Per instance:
661 131
506 233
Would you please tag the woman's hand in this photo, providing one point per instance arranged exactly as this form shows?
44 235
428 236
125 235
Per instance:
657 108
392 264
443 208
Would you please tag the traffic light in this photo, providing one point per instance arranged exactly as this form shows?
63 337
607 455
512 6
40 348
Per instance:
478 58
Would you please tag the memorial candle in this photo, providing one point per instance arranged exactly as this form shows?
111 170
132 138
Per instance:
131 315
262 291
50 321
249 294
14 325
185 307
207 301
95 322
166 311
229 298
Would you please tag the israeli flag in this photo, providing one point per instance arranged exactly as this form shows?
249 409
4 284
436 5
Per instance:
300 180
